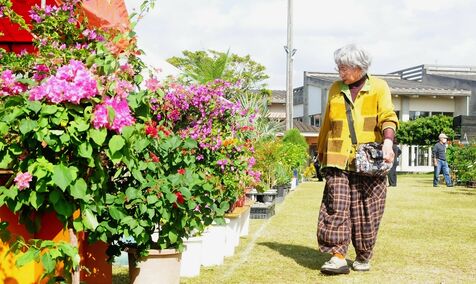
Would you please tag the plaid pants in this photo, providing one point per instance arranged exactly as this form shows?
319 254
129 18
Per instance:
352 207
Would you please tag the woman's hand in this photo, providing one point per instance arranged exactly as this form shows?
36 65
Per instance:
387 149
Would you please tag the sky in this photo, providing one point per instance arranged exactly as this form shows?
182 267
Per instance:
397 33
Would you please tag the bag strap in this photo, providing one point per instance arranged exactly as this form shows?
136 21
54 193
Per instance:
350 120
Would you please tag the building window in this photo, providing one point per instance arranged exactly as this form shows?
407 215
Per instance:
314 119
416 114
298 96
298 119
419 155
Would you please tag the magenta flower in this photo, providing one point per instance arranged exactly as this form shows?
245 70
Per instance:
22 180
122 114
72 83
152 84
9 85
123 88
34 15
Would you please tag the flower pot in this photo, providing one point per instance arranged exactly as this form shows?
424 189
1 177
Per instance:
232 236
93 256
269 195
213 245
160 266
252 195
191 257
245 221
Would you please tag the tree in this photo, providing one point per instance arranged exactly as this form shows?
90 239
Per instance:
206 66
425 130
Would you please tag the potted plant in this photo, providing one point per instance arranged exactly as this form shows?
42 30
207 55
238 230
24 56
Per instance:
66 126
89 144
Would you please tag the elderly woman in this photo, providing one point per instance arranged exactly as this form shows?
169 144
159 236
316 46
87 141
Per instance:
353 204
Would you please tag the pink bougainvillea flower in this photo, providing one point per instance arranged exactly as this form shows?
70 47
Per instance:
72 83
22 180
123 88
152 84
122 114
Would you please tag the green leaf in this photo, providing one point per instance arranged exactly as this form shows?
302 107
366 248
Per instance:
34 105
173 237
190 143
55 195
116 143
85 150
28 257
64 208
57 132
6 161
186 192
49 109
63 176
48 263
116 213
79 190
98 135
171 197
152 199
82 125
36 200
138 79
27 125
4 128
89 219
78 224
141 144
131 193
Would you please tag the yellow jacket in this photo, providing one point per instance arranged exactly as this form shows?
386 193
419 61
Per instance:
372 112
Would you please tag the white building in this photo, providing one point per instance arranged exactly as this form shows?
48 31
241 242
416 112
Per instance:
412 99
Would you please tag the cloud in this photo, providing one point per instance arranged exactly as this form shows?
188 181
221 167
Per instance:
399 33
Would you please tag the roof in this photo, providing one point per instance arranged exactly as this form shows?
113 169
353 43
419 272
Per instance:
466 77
276 115
278 96
399 86
305 128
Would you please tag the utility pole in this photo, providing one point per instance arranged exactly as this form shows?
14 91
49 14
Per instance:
289 68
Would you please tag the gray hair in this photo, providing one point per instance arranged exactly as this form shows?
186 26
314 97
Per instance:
351 55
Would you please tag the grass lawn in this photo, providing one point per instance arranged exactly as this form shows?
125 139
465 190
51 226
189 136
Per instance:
427 235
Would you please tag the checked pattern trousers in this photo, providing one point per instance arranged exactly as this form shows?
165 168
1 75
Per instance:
351 210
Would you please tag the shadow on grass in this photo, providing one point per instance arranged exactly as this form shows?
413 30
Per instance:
304 256
462 191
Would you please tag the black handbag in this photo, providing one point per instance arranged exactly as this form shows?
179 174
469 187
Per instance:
369 156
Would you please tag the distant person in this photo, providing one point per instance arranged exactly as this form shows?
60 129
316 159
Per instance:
392 174
352 203
318 168
439 161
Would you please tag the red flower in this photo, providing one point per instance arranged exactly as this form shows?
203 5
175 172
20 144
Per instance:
181 171
180 199
151 129
154 157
